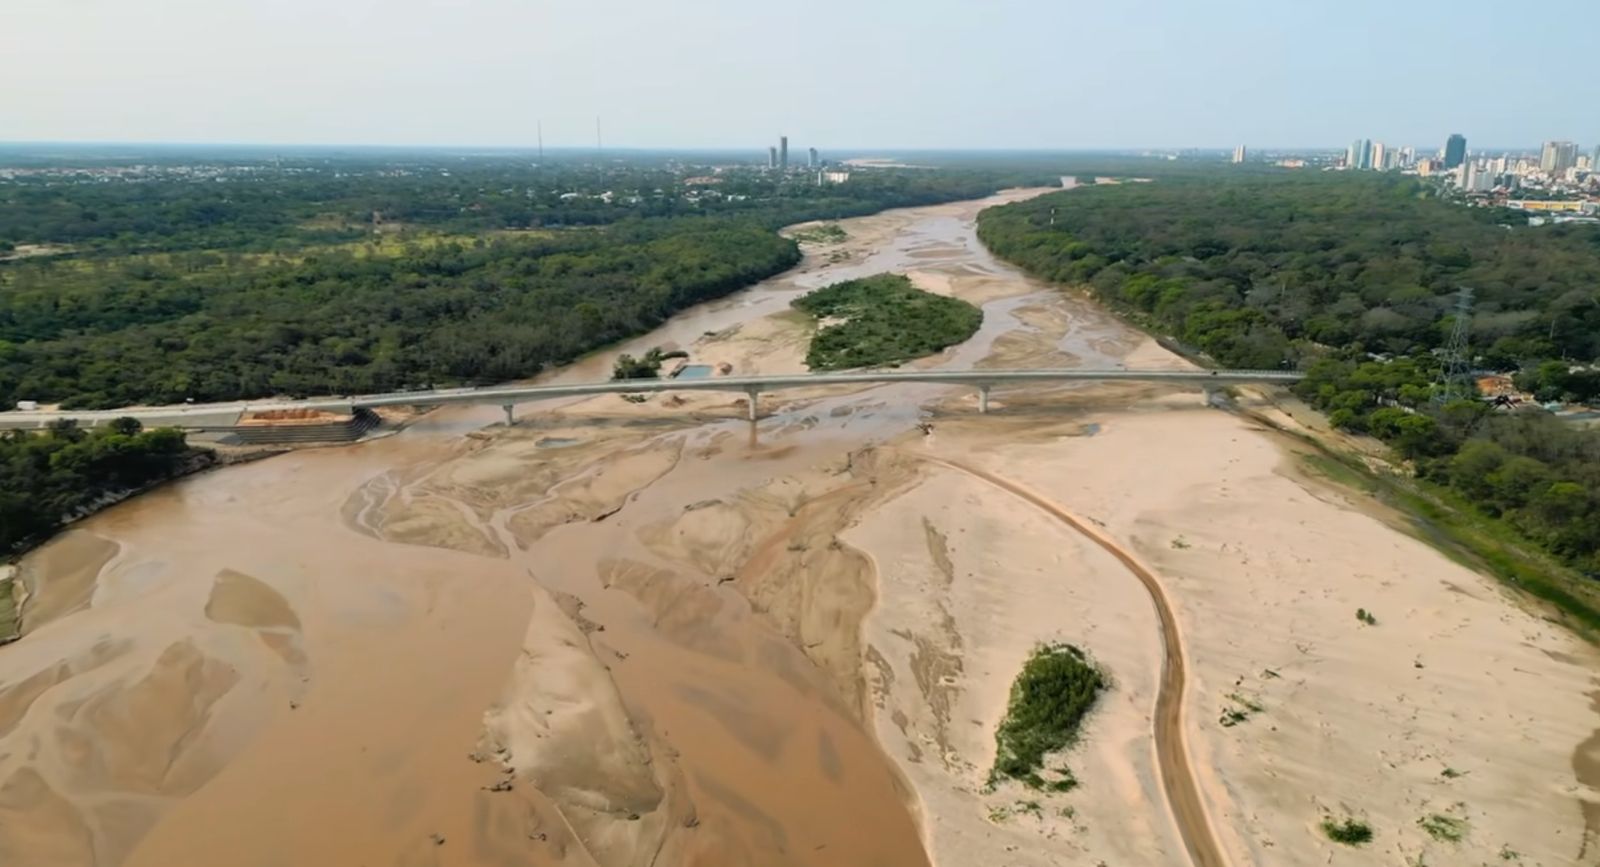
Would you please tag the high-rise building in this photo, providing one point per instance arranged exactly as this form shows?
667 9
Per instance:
1455 150
1475 178
1408 157
772 158
1557 157
1379 154
812 159
1238 154
783 153
1594 161
1359 156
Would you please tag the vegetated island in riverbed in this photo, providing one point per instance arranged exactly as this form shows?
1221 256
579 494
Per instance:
1056 689
883 321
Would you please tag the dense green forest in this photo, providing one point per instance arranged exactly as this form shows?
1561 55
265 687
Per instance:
47 478
1354 277
281 206
883 321
279 281
1260 270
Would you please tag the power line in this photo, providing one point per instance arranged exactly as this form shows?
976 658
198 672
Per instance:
1456 377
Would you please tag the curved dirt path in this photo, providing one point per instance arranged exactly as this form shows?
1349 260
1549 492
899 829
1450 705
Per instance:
1172 753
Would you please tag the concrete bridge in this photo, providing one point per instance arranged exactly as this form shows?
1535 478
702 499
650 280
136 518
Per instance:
220 416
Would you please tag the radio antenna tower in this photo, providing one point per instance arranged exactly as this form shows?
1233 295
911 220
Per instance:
1457 372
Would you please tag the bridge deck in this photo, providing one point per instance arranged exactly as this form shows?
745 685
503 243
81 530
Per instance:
218 415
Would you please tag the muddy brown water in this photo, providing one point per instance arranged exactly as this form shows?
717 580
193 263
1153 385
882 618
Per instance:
256 673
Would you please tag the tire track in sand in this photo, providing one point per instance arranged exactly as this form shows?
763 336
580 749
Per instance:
1172 752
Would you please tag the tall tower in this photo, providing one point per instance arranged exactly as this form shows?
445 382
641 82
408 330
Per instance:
1380 152
812 160
783 153
1238 154
1456 376
1455 150
1557 157
772 158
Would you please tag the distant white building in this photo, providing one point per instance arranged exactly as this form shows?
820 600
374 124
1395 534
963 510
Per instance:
1238 154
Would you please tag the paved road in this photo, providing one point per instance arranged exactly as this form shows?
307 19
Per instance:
219 415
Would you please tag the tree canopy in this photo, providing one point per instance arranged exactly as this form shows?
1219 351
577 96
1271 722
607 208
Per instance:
46 478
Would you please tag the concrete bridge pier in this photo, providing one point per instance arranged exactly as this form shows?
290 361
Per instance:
755 401
510 418
983 398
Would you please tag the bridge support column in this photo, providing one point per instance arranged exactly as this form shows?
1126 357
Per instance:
755 402
983 398
510 419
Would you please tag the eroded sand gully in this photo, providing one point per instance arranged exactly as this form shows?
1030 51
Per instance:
630 635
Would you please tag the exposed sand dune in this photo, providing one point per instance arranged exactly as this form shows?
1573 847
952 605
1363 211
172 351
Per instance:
72 561
562 728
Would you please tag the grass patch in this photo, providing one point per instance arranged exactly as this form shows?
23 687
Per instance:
885 321
1239 709
1448 829
827 233
1350 832
1055 691
1339 472
9 627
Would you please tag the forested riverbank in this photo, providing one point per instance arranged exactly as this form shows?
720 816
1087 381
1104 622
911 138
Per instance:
384 278
1354 278
51 477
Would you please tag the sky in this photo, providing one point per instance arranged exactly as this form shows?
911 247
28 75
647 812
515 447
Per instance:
1035 74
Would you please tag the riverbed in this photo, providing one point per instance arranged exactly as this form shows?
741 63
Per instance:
629 634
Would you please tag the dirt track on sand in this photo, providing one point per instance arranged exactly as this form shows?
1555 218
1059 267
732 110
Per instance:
1172 754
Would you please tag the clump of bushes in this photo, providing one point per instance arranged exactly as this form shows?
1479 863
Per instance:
1350 832
1057 688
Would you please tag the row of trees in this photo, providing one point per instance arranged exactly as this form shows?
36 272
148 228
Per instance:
1353 277
47 478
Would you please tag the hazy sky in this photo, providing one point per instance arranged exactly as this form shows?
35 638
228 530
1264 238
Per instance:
830 73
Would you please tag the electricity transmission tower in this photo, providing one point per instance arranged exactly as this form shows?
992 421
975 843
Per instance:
1456 376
